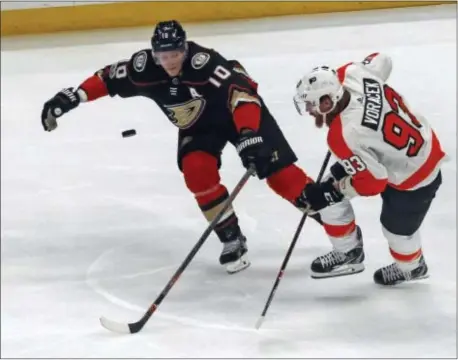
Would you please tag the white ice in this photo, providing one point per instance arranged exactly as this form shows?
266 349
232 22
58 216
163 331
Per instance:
93 224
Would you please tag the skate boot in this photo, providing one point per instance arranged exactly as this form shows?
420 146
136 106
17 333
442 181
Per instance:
336 263
392 274
233 256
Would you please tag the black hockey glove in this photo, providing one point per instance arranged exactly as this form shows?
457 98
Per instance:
338 171
64 101
318 196
254 152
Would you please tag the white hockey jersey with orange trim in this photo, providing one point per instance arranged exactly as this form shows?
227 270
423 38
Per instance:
377 138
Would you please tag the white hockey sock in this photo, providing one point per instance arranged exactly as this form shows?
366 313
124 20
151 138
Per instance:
339 223
344 243
405 249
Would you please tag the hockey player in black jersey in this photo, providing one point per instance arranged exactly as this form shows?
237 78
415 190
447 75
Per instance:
212 101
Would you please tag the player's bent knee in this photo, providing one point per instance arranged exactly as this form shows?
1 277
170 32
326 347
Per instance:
200 171
288 182
339 214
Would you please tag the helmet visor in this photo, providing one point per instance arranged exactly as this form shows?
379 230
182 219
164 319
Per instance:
169 59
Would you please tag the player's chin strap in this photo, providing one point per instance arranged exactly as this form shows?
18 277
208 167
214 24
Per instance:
296 104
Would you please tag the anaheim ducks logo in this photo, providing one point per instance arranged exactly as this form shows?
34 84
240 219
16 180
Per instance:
184 115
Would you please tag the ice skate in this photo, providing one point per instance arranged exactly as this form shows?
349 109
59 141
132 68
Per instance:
392 274
336 263
233 256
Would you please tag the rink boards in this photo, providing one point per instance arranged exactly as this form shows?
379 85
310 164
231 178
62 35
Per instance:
49 18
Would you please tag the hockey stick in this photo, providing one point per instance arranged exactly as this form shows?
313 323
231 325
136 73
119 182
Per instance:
290 250
135 327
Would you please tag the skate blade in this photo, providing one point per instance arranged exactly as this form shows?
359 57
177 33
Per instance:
344 270
238 265
404 281
421 277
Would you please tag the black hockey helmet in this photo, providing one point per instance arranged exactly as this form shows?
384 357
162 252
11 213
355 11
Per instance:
168 36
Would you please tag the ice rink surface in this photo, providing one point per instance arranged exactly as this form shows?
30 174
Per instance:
93 224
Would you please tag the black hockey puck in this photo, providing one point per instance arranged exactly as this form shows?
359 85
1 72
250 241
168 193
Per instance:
128 133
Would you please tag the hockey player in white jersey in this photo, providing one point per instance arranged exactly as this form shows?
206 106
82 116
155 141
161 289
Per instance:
382 148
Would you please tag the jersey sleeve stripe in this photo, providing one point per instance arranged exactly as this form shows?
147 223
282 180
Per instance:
247 115
94 87
341 72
